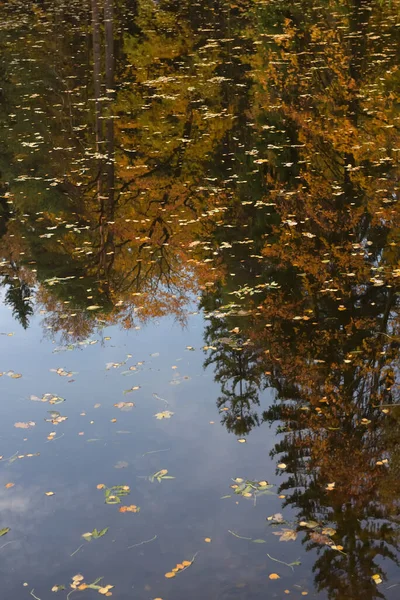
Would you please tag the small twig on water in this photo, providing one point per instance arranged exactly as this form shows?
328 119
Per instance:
77 550
32 594
144 542
239 536
56 438
12 456
154 451
157 397
281 562
6 544
188 566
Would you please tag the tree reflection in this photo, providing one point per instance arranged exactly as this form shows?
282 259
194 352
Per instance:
246 152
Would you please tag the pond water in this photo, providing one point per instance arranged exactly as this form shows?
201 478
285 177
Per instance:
200 279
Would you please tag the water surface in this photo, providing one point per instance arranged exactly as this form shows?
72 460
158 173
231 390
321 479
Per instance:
199 238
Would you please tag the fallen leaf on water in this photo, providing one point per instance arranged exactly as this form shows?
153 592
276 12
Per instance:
27 425
124 405
286 535
4 531
277 518
132 508
9 485
208 540
318 538
242 441
377 578
328 531
49 493
309 524
274 576
166 414
100 486
282 466
169 575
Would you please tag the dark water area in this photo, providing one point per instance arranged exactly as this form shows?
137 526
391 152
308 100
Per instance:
200 279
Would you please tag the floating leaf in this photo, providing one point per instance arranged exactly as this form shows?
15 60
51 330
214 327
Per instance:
124 405
276 518
160 475
169 575
259 541
309 524
166 414
286 535
318 538
328 531
114 494
274 576
4 531
27 425
132 508
95 534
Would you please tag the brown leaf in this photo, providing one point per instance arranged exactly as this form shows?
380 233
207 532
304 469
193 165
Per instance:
318 538
286 535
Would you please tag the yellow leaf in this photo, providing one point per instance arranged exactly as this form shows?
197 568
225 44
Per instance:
186 563
262 483
9 485
100 486
49 493
207 540
274 576
282 466
169 575
242 441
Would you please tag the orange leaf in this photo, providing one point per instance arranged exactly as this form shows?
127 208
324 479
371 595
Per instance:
169 575
274 576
